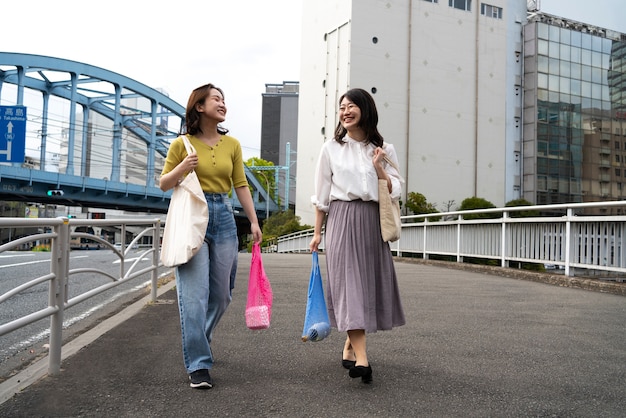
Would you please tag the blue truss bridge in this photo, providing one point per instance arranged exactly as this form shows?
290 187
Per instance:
94 138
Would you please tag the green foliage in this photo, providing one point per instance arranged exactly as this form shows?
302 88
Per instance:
418 205
472 203
278 224
259 162
481 261
283 223
527 266
521 213
267 178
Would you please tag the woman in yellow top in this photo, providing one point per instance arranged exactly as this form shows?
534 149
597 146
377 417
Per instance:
204 284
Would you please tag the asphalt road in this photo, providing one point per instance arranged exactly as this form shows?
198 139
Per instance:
475 345
18 267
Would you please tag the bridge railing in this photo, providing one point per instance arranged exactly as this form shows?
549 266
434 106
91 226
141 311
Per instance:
58 232
568 241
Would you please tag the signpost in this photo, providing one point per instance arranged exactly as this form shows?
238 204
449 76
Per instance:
12 134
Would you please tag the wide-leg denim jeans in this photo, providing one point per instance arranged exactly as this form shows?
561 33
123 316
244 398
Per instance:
204 284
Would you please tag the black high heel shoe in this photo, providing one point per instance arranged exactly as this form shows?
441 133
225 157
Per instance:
347 364
364 372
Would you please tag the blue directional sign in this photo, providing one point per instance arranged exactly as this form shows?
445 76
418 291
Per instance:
12 134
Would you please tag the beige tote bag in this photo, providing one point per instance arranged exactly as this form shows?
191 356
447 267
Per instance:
186 221
389 210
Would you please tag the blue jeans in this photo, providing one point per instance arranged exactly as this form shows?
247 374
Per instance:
204 284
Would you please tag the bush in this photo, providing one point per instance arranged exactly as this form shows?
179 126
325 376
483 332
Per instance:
418 205
521 213
283 223
473 203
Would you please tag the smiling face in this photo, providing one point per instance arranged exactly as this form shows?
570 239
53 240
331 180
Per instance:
214 106
350 117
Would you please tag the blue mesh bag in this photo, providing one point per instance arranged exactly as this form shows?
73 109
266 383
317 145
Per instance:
316 322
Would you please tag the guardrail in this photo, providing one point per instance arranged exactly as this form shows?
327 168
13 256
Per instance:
58 231
570 241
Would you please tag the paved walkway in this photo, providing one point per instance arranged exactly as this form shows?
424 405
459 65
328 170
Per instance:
475 345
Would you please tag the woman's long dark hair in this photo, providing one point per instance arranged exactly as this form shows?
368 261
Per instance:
192 117
369 117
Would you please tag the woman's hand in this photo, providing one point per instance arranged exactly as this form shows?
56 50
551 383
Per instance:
171 179
189 163
377 160
257 234
379 157
320 217
315 242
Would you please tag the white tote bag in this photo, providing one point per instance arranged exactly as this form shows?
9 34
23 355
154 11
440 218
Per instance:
187 219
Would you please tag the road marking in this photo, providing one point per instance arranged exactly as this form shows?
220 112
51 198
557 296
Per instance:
69 322
25 263
131 259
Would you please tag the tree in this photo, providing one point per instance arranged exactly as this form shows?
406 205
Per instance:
265 177
283 223
418 205
448 205
472 203
521 213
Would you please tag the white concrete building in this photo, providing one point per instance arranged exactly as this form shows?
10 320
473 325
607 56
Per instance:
446 78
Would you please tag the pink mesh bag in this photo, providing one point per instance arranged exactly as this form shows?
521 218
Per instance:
259 305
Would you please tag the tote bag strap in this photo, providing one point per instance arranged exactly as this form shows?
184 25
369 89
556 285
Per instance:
390 161
393 164
190 148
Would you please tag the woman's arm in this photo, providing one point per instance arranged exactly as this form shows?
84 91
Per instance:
245 198
171 179
320 216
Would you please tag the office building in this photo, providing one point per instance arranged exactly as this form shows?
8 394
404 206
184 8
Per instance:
495 100
279 135
574 142
446 78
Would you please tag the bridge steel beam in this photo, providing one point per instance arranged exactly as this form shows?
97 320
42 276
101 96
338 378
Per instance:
130 106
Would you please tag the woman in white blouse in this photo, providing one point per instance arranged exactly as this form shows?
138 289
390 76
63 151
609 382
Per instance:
362 289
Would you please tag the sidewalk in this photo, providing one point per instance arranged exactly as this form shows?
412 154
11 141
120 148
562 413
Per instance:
475 345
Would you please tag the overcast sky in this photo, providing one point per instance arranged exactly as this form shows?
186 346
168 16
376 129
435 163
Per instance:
238 45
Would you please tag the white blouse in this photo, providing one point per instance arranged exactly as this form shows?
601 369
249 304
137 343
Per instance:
346 172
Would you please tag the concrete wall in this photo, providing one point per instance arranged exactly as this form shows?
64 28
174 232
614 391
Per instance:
444 83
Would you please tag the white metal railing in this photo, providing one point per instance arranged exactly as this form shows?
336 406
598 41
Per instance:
572 240
59 236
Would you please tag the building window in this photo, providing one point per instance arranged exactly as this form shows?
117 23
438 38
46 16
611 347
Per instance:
618 172
542 183
617 144
491 11
461 4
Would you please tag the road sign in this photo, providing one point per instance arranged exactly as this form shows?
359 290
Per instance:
12 134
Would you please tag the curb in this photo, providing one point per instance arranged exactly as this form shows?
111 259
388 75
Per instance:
596 285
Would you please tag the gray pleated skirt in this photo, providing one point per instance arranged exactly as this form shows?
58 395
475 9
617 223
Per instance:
362 286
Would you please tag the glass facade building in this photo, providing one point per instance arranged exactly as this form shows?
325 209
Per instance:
574 138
